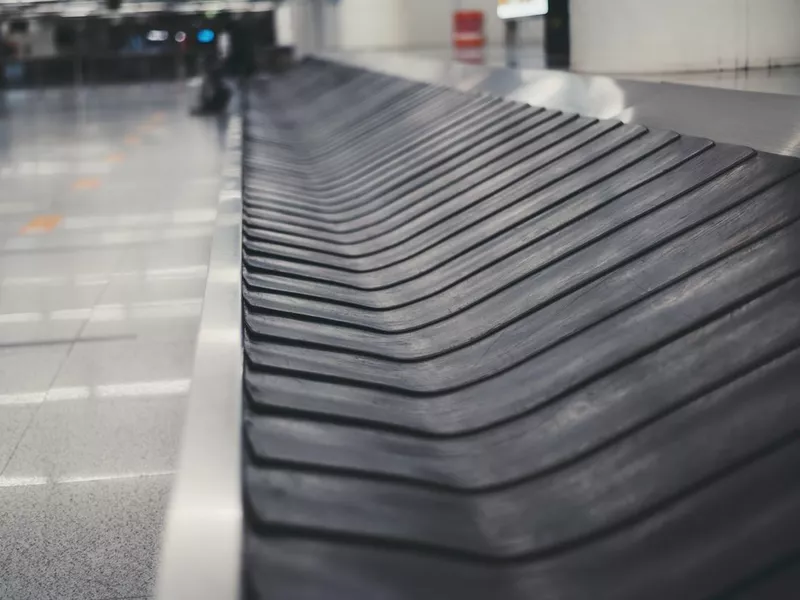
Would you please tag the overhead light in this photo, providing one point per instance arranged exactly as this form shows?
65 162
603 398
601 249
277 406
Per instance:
157 35
205 36
518 9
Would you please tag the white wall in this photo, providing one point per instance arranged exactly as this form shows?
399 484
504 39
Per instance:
640 36
372 23
429 23
285 34
403 24
304 24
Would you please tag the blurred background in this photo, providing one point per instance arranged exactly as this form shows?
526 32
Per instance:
67 42
72 43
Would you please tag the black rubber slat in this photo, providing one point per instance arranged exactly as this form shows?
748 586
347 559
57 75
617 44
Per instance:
444 110
435 230
498 130
288 194
506 352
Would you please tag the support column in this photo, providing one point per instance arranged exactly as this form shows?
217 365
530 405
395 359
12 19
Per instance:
306 25
557 44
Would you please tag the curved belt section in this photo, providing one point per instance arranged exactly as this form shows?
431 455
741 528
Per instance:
496 351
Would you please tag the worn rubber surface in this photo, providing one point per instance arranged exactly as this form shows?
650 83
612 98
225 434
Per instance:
495 351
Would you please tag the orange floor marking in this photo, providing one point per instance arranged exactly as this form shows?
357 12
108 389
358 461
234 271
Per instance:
158 117
41 224
87 183
116 158
132 139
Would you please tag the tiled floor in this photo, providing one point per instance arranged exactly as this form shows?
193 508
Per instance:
106 213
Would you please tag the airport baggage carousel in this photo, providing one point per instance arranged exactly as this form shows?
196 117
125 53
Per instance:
494 350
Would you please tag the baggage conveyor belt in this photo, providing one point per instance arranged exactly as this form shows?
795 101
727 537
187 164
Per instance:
496 351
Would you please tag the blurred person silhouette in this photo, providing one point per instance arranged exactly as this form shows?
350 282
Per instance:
214 93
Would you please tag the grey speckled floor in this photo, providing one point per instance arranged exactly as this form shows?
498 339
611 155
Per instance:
106 215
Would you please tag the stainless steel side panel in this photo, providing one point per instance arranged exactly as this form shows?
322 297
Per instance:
202 546
767 122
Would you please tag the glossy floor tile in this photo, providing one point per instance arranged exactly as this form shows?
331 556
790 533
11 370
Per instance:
126 361
162 321
60 294
148 286
14 421
29 370
105 231
100 435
